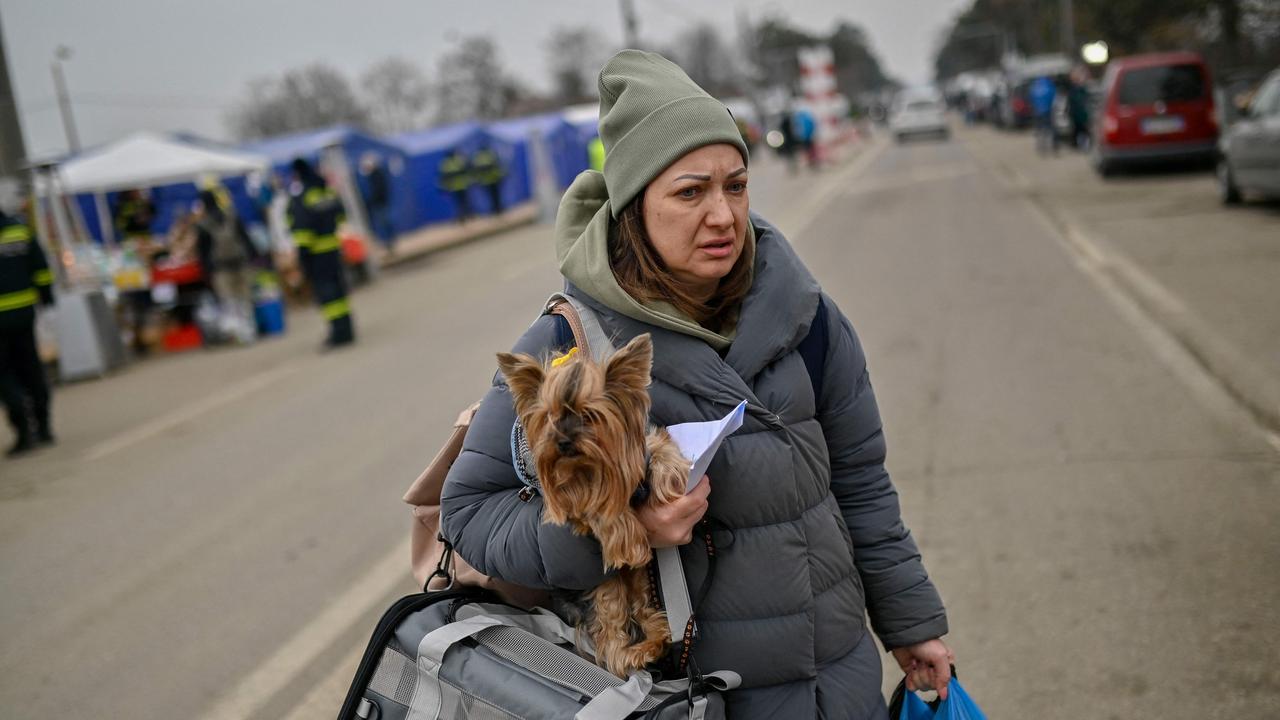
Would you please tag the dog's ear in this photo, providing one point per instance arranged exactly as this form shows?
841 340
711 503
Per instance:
630 366
524 376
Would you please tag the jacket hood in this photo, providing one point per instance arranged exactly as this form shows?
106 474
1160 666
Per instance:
583 223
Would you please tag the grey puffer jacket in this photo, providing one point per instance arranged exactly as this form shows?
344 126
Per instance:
814 538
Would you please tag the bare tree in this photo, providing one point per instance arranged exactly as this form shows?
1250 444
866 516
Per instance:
303 99
397 94
473 83
707 60
575 55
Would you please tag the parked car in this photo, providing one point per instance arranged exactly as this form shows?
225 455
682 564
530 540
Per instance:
1156 108
1250 148
920 115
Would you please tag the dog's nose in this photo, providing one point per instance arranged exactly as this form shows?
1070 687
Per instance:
565 446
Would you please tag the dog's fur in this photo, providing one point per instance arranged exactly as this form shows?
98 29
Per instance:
588 429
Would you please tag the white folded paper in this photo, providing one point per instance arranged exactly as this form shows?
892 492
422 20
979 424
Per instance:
699 441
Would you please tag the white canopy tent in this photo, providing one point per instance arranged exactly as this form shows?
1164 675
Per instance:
143 160
150 160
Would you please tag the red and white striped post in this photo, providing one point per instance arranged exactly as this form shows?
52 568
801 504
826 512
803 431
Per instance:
818 83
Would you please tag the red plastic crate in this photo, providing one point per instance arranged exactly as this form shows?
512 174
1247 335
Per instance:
177 273
182 337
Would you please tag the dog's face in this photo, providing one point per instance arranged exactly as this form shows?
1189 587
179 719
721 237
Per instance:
586 427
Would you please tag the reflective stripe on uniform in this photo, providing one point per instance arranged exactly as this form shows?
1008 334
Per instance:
325 243
15 233
336 309
304 238
315 196
42 277
18 300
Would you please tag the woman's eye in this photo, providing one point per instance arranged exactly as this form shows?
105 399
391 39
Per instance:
737 187
689 192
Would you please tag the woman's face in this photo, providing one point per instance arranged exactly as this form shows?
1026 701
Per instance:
695 214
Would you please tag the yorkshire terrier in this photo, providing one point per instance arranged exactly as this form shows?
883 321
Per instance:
588 429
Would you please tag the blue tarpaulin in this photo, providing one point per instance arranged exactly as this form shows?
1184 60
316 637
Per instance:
567 152
424 150
355 145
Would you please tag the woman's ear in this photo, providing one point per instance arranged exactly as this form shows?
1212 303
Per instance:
524 376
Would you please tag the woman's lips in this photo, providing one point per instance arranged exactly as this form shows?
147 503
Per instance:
718 248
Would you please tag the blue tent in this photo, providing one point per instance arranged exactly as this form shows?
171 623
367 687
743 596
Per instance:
355 144
567 151
424 151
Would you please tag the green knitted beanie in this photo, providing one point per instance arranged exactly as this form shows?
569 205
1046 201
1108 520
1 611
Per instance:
651 114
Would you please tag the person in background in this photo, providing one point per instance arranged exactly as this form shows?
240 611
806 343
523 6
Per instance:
25 279
787 127
487 169
227 256
314 214
1041 94
595 154
377 200
456 179
806 133
133 217
1078 108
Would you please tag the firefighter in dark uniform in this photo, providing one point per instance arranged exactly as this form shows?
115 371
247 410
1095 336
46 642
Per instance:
455 179
315 211
487 169
25 279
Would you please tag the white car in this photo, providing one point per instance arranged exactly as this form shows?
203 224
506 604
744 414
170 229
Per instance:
919 116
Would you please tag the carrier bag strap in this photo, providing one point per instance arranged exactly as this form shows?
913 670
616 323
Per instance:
590 336
427 693
698 708
620 701
675 595
538 621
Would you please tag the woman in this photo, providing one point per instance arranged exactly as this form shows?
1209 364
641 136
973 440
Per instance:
227 255
661 242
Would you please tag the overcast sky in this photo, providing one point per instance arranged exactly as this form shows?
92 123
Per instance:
182 64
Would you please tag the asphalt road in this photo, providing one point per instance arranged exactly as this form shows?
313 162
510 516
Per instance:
215 533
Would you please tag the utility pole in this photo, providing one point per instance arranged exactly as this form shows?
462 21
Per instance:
64 101
629 26
1068 26
13 150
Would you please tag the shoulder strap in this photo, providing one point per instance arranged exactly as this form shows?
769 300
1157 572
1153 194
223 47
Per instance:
591 337
588 335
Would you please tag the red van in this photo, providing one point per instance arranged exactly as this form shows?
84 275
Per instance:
1156 107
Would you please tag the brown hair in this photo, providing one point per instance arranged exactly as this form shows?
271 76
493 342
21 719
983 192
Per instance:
643 275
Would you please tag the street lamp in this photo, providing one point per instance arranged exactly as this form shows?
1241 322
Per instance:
60 55
1095 53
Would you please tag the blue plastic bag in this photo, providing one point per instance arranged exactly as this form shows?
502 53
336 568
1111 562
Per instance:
957 706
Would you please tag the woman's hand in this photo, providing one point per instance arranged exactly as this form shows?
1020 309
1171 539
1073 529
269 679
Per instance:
672 524
927 665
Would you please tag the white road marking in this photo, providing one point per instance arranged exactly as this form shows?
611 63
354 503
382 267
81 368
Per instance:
324 700
187 413
1099 264
293 657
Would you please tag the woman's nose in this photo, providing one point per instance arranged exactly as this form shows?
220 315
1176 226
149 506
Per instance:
719 214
